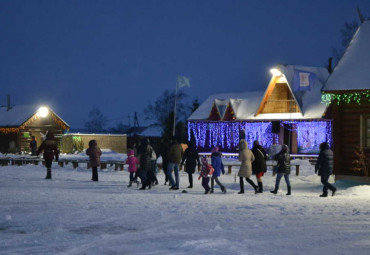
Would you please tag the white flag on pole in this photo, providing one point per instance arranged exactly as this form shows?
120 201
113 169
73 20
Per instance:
183 81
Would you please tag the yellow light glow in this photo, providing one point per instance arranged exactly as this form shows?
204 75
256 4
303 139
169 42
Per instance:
43 112
275 72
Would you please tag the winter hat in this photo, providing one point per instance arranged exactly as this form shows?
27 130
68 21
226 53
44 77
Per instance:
214 149
285 147
92 143
130 153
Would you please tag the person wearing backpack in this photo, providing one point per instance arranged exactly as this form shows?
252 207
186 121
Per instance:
259 164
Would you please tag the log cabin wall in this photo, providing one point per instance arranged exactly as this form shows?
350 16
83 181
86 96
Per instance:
347 134
35 128
280 100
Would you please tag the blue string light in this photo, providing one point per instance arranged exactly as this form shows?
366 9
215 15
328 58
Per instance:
226 134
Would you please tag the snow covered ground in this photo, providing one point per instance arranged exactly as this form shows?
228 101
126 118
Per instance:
73 215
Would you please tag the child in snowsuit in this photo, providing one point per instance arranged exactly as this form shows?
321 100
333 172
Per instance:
218 166
132 162
205 174
94 154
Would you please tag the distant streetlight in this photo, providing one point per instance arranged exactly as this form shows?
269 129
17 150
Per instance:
43 112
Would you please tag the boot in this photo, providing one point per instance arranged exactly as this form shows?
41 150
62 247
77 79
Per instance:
289 191
130 184
275 190
253 185
260 187
142 187
211 191
333 192
241 186
48 174
324 195
223 189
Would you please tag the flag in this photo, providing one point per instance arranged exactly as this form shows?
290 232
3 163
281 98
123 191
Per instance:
183 81
303 80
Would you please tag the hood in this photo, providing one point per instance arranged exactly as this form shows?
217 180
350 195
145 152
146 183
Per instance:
243 144
130 153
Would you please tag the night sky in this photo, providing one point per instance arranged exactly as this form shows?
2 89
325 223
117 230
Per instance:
121 55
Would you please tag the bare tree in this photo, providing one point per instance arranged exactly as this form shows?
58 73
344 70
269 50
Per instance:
96 121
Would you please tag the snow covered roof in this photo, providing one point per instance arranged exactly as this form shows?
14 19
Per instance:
353 69
246 104
152 131
309 101
19 114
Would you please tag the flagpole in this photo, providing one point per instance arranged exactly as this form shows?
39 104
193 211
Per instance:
174 112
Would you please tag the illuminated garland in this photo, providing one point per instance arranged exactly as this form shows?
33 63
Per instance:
9 130
226 134
60 123
346 98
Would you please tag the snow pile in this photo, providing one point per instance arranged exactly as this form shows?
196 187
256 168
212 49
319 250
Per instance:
72 215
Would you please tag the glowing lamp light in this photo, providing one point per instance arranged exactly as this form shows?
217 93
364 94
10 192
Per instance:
43 112
275 72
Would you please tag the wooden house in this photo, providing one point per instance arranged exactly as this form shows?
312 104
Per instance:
347 90
289 111
20 122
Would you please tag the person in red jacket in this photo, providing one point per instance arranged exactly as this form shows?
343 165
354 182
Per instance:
50 149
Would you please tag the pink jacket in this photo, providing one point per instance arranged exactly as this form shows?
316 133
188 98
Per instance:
132 161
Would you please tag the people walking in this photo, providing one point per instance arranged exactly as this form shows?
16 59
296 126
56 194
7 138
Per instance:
324 168
153 169
50 150
164 148
132 162
94 154
246 157
175 154
282 168
218 167
205 174
191 159
259 164
145 157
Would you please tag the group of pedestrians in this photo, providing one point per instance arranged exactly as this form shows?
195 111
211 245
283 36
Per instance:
142 164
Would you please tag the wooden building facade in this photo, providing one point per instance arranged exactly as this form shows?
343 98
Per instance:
289 112
347 90
20 122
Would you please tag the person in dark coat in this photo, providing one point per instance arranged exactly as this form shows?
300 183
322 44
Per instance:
145 159
33 146
165 147
324 168
191 159
175 154
50 149
259 164
282 168
218 167
94 154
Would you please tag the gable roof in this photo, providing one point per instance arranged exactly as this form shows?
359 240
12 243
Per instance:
246 104
353 69
309 101
19 114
